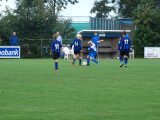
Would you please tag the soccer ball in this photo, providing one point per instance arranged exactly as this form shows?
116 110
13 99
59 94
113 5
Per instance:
84 63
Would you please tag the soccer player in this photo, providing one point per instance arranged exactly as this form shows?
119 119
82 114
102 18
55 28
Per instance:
120 52
77 44
14 41
56 49
124 48
96 40
92 53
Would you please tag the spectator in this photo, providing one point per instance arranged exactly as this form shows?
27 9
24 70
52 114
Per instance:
14 41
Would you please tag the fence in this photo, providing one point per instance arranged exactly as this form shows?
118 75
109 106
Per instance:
105 24
110 24
93 23
37 48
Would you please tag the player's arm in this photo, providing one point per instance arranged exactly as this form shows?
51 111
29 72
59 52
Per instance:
89 48
71 44
60 46
80 47
100 41
51 48
119 44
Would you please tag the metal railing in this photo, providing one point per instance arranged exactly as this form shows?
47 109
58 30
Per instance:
110 24
37 48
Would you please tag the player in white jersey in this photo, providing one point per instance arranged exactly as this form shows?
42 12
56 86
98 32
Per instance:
92 53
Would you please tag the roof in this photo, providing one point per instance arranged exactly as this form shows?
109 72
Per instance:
103 31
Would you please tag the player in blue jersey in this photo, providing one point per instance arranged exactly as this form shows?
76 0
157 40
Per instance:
56 49
120 52
124 49
96 40
92 53
77 44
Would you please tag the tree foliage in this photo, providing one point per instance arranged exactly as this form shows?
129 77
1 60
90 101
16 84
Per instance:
35 18
55 6
147 16
126 7
102 8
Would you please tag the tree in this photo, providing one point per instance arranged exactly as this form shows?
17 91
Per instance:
55 6
102 8
66 27
126 7
31 19
146 18
35 18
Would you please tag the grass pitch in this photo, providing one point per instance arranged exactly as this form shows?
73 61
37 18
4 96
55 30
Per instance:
31 90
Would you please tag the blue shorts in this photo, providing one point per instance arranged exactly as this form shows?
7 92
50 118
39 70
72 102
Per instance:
92 54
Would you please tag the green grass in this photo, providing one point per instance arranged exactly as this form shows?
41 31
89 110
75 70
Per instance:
31 90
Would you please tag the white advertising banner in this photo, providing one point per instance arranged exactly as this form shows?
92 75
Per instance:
152 52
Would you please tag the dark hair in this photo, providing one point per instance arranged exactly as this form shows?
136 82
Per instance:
124 33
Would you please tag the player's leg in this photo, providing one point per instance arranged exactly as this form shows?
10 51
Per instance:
88 59
74 58
56 64
125 61
126 58
97 54
55 57
80 59
93 55
121 58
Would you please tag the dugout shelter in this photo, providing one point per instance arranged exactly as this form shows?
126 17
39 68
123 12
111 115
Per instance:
107 49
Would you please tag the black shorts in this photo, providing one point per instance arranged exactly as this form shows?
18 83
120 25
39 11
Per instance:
123 53
77 52
56 55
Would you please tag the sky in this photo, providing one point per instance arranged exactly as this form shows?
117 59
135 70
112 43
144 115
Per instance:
80 9
10 3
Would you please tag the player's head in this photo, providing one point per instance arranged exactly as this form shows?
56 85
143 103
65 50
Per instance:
95 33
58 33
14 33
90 43
79 36
124 33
